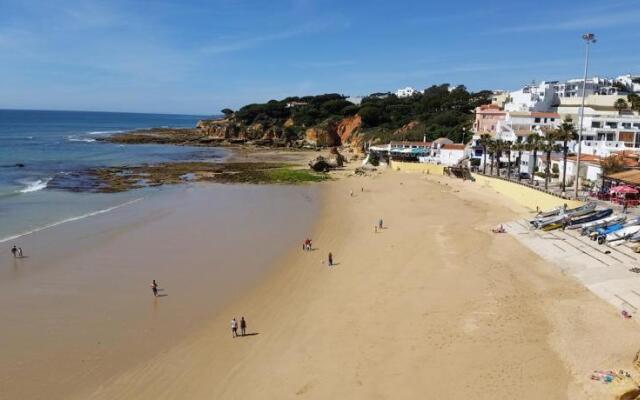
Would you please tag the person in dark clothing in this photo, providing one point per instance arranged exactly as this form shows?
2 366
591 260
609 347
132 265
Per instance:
330 260
154 288
243 326
14 251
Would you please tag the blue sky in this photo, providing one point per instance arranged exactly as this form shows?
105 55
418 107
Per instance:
195 56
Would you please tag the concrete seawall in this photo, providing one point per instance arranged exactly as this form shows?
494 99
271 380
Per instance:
425 168
521 194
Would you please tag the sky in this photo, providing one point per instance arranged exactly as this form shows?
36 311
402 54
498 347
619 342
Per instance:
197 57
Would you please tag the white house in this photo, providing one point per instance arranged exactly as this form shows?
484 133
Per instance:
406 92
451 153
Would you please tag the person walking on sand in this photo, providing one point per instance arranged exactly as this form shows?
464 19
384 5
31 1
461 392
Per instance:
14 251
154 288
330 259
350 193
380 223
20 252
243 326
234 328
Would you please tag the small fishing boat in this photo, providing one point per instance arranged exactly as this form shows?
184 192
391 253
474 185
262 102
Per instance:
576 222
574 212
618 237
589 227
600 234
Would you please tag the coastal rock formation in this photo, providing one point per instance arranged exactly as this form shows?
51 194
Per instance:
348 127
324 164
323 135
221 129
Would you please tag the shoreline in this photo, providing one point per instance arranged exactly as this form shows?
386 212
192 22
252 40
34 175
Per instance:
79 309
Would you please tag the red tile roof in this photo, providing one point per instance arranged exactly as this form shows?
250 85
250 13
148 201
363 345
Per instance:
428 144
453 146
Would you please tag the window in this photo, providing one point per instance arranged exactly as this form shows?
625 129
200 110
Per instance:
537 120
611 124
626 125
596 124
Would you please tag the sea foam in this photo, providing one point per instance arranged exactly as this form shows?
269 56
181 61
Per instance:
71 219
34 186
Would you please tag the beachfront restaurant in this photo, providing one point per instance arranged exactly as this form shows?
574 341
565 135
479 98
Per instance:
622 188
409 151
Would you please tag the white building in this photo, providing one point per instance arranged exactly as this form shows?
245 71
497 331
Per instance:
406 92
451 153
539 98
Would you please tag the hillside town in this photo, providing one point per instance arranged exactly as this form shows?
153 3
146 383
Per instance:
532 135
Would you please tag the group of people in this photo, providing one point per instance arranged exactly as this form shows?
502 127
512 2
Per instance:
17 252
234 327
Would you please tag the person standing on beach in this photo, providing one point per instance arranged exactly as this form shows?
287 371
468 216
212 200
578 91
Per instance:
14 251
330 259
234 328
380 224
20 252
243 326
154 288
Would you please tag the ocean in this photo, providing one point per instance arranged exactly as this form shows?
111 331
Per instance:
35 146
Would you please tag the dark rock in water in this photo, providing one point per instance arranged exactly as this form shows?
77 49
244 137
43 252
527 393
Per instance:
20 165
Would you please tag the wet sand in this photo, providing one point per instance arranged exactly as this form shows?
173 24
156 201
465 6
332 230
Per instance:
79 309
434 306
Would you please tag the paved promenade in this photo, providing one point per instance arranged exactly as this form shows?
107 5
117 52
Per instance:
608 271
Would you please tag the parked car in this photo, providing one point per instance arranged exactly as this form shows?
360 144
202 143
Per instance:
524 175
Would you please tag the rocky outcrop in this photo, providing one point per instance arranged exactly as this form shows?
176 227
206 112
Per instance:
323 135
348 127
225 128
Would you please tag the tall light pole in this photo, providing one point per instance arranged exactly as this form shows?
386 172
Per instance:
588 38
464 130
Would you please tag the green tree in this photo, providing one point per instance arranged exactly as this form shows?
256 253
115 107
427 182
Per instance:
370 116
227 112
621 105
634 100
519 147
533 142
565 133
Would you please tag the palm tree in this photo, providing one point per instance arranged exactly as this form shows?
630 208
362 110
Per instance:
564 134
621 105
519 147
507 148
499 147
484 141
533 143
491 148
548 146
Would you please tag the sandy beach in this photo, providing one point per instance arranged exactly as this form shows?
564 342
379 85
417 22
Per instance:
79 308
433 306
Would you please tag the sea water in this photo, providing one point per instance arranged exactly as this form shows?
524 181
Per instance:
35 146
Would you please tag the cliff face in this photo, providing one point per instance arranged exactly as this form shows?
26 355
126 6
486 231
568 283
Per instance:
327 134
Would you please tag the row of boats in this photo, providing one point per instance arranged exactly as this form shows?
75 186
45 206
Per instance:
600 225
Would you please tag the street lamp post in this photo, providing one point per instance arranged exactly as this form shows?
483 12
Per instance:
588 38
464 130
